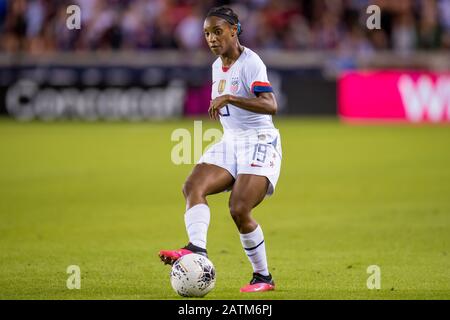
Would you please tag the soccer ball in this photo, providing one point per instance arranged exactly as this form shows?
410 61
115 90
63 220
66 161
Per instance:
193 275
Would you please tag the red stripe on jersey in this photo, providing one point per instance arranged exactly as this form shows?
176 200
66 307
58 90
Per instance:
260 84
225 69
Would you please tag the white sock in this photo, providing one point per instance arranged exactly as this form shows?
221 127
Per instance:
197 222
255 249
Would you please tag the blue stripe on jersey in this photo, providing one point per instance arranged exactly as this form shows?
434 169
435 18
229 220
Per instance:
260 89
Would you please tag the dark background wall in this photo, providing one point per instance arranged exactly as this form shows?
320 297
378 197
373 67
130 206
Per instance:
126 92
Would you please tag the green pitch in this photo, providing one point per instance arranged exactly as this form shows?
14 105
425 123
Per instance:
106 197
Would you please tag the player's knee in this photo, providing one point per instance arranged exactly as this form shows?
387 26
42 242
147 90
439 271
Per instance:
190 189
239 210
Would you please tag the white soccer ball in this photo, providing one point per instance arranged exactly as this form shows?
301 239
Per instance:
193 275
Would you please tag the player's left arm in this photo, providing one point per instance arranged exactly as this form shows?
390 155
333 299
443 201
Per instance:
264 103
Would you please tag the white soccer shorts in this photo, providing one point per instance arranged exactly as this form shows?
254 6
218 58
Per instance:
256 152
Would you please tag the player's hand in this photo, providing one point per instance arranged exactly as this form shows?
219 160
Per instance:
215 106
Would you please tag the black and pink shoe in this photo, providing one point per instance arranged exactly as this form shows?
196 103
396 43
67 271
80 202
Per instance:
170 256
259 283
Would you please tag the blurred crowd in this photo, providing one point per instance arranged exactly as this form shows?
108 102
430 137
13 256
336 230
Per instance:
406 25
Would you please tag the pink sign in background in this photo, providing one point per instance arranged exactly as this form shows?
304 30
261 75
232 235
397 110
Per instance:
197 100
403 96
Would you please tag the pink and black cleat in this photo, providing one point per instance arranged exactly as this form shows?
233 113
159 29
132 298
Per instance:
170 256
259 283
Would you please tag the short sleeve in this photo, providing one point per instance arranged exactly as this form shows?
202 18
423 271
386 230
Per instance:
257 79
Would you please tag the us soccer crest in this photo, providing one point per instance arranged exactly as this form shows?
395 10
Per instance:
234 85
221 86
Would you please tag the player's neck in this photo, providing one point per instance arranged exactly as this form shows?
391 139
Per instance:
232 55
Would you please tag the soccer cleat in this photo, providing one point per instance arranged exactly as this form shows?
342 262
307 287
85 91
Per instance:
259 283
170 256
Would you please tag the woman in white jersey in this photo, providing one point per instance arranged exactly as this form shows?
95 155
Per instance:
247 160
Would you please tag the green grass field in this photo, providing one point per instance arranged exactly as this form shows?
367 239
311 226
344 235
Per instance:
106 197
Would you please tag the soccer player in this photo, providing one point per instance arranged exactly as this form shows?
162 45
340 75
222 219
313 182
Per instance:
247 160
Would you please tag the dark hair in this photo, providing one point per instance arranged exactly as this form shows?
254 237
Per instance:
227 14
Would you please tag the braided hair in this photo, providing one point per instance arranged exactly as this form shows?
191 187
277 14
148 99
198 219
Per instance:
227 14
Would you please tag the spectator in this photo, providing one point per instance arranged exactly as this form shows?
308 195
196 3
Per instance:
39 25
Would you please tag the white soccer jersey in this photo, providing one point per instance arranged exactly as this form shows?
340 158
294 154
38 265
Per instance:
250 144
245 78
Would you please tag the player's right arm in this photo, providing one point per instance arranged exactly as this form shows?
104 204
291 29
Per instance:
263 103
